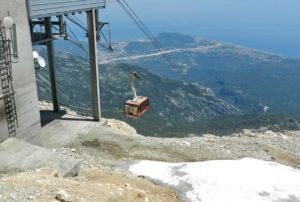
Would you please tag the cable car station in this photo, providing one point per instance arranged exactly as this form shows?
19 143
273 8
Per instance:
19 106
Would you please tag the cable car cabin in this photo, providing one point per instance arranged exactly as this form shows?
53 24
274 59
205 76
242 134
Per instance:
135 108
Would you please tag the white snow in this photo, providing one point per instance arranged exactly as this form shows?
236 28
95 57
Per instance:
244 180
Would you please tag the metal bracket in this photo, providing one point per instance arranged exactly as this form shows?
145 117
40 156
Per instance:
40 37
107 37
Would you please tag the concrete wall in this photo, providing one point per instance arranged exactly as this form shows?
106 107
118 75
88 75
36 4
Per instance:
3 126
23 76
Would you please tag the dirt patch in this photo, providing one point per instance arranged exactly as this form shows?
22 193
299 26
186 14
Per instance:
159 153
283 156
133 150
109 147
91 185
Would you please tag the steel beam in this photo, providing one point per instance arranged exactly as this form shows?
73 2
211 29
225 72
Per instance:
91 22
50 51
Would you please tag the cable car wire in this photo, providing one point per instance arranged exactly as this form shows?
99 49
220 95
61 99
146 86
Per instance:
146 31
76 23
107 41
79 21
76 42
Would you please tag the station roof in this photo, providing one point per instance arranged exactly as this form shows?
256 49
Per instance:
48 8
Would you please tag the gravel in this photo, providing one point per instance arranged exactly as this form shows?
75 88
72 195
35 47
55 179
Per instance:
102 149
105 148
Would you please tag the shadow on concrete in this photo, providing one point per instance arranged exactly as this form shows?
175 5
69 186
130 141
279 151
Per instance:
47 116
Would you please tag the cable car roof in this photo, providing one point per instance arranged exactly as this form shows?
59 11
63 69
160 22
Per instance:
48 8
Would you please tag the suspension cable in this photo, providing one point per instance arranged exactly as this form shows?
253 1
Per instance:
149 35
76 23
145 30
79 44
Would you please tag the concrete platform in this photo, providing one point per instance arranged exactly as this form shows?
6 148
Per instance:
16 154
60 128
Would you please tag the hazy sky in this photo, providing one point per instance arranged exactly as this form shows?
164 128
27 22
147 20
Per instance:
269 25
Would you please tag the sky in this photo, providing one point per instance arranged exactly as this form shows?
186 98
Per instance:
266 25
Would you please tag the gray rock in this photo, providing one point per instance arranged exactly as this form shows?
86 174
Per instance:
248 133
63 196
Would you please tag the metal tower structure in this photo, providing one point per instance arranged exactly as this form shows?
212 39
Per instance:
42 13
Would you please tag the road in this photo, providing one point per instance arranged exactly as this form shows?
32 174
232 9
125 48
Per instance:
158 53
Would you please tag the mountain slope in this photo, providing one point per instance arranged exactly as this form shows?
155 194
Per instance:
247 81
246 78
171 102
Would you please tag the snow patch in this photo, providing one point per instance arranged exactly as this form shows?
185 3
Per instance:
225 180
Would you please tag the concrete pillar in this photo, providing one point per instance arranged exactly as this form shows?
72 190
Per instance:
91 22
50 51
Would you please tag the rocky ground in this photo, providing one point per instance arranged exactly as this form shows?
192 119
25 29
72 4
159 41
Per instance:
103 151
91 185
105 148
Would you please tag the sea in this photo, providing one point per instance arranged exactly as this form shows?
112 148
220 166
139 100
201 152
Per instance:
271 26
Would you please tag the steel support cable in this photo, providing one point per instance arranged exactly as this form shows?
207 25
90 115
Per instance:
82 25
76 23
136 22
104 47
148 34
145 30
55 28
77 44
120 54
79 21
73 34
141 22
144 26
103 35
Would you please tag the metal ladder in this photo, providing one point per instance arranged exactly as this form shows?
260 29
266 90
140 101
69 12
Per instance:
6 83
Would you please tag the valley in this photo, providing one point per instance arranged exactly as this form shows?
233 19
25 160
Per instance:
213 87
246 78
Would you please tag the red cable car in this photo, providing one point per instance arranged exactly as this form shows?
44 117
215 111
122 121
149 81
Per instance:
139 104
137 107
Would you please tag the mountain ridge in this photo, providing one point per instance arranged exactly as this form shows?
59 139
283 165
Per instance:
246 78
178 114
171 101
